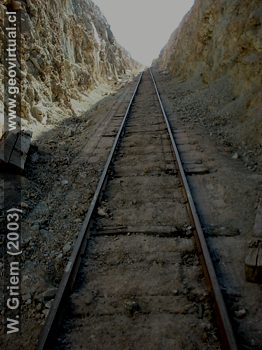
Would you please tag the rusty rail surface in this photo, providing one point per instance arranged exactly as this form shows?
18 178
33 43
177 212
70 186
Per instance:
72 267
227 338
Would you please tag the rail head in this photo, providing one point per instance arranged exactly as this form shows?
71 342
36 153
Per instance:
73 264
225 327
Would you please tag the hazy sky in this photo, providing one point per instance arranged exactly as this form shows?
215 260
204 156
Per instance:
144 26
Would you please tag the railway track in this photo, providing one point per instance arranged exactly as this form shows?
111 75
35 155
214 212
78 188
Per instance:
140 275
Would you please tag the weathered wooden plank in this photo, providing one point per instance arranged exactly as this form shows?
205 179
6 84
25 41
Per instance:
14 148
7 145
119 115
147 230
196 161
253 263
259 258
191 169
109 135
18 158
221 231
23 142
258 221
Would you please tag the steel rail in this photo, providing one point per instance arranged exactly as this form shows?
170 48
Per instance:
225 327
72 267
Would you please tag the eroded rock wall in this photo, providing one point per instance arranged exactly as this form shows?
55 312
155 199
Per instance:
67 50
223 40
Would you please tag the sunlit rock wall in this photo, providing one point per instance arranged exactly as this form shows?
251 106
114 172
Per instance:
67 50
219 39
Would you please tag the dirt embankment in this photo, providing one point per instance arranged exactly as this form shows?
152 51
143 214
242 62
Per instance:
216 54
67 49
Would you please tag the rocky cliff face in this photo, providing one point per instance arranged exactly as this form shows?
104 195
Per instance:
67 50
222 41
